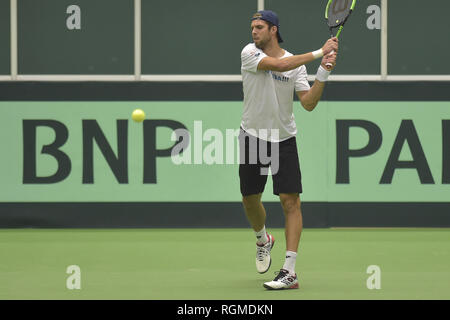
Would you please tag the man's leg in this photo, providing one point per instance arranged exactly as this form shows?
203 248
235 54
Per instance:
256 215
287 278
252 184
254 209
287 184
293 220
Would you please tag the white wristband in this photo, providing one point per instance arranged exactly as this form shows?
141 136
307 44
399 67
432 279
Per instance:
318 53
322 74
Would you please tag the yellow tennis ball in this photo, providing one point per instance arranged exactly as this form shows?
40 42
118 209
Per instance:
138 115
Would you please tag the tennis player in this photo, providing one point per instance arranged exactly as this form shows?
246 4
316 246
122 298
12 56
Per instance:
270 76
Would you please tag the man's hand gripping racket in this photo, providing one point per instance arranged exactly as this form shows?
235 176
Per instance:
336 14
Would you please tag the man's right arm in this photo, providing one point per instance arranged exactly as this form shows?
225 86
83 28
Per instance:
292 62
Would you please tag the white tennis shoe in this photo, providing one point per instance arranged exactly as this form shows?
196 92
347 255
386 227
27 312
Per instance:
263 259
283 280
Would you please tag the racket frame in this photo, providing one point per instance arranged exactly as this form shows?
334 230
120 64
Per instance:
341 25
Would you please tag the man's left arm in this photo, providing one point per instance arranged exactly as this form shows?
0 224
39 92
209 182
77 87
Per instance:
309 99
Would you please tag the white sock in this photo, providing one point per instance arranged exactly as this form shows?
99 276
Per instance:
289 263
261 236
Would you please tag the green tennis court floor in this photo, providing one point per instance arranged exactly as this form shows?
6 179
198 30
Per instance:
210 264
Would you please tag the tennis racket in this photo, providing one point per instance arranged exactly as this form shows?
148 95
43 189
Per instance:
336 14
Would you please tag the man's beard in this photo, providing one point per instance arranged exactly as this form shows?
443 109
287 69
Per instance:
261 44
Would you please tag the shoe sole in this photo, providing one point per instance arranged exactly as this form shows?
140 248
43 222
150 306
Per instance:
270 262
295 286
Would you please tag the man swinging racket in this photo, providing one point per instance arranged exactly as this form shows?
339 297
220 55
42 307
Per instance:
270 75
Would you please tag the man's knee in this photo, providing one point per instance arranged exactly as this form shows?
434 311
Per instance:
290 202
251 201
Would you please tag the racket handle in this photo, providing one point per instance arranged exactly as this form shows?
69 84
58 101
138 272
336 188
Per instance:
329 64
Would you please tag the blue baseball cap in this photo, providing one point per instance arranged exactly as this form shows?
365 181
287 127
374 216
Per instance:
271 17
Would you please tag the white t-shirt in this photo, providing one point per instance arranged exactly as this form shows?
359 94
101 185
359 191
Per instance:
269 96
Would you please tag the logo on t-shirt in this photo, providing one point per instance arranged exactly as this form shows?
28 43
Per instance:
255 53
278 77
